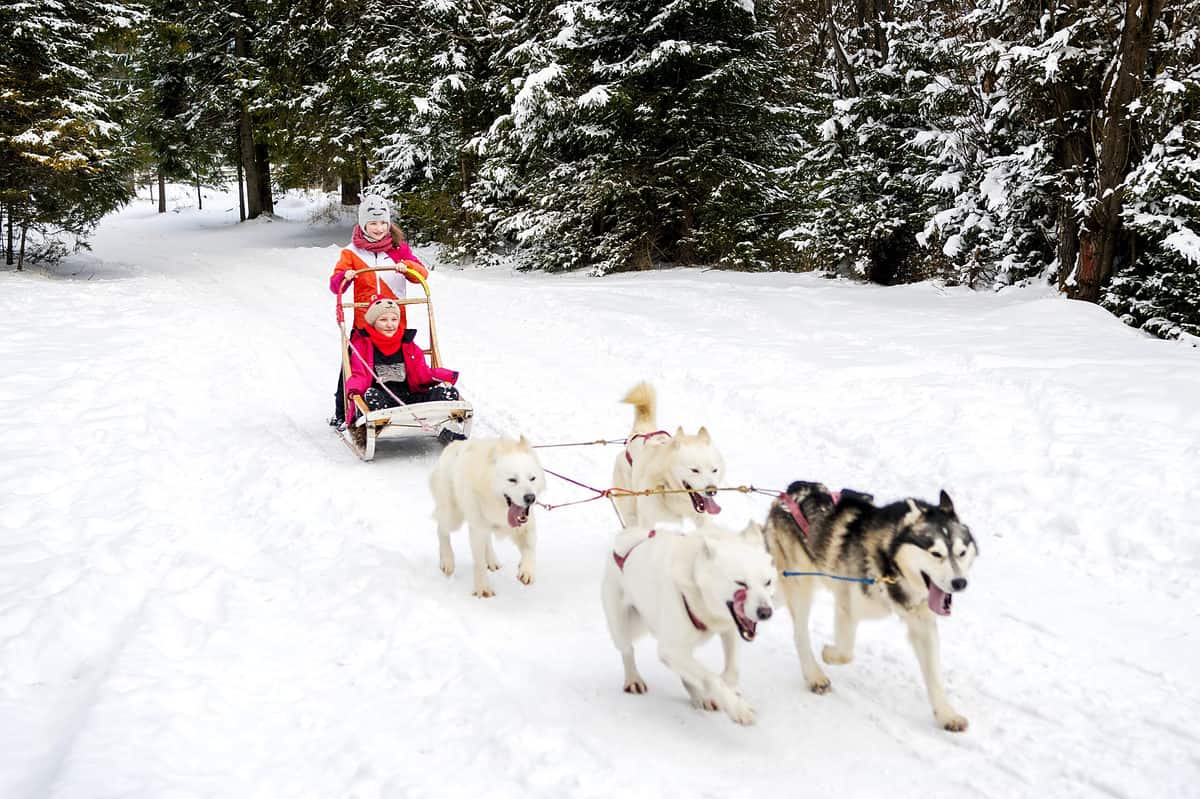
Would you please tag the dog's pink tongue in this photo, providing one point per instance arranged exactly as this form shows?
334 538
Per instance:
517 515
939 600
710 505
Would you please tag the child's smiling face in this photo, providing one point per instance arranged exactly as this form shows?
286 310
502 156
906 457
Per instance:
388 323
376 229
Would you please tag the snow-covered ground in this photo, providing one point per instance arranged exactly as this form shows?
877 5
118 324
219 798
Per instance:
203 593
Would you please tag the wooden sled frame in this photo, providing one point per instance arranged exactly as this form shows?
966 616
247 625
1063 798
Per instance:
405 421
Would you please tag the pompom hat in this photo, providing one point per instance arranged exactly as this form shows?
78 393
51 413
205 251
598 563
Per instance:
374 208
379 307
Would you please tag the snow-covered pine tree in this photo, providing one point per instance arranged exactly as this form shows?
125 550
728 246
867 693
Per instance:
63 155
329 110
444 63
640 134
222 59
877 79
991 176
185 138
1158 289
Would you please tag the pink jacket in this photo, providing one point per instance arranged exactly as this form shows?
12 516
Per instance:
419 375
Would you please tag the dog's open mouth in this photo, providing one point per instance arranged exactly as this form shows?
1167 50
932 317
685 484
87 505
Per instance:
746 626
703 502
517 514
939 600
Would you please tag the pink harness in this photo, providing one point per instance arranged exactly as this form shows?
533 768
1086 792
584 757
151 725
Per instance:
647 436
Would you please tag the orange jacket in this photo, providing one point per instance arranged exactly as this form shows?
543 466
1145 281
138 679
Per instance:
371 284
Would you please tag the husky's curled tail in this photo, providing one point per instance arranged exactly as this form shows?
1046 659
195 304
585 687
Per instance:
644 401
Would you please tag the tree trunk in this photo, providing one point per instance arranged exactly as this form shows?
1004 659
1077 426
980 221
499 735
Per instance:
246 149
199 197
350 187
262 159
366 175
1100 237
845 68
241 189
21 258
9 254
162 192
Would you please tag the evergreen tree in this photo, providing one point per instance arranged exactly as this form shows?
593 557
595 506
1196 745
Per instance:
1158 288
640 134
329 110
450 66
185 137
64 153
871 110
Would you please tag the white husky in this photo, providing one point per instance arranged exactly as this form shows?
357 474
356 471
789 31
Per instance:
683 589
656 459
491 483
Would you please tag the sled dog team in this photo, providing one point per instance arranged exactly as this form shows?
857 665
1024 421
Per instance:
674 574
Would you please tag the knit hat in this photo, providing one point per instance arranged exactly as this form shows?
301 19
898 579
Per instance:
378 307
374 208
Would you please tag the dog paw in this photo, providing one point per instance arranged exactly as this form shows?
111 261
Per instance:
952 722
525 575
493 566
821 685
836 657
742 713
447 565
706 703
483 593
636 687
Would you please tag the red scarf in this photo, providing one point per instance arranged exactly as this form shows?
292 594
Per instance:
388 345
363 243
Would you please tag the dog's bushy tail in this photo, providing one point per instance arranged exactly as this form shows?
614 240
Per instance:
643 400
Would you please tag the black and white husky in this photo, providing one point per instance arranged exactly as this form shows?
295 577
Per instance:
917 556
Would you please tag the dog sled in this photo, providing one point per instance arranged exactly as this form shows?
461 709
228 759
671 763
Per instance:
446 420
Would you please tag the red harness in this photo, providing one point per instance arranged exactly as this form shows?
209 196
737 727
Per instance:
647 436
797 514
699 625
620 560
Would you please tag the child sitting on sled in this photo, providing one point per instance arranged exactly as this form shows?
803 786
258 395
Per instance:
388 368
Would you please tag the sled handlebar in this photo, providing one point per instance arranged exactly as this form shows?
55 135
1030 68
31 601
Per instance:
413 276
410 274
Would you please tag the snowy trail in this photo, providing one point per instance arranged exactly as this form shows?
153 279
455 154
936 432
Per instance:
203 594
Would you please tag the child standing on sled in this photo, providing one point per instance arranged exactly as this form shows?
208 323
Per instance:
388 368
375 242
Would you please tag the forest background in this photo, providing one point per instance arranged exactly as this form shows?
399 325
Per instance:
985 143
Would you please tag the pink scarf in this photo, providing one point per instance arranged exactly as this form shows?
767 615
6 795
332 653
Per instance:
363 243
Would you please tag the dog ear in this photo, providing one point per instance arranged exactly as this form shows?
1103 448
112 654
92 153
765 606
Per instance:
703 435
522 442
913 510
754 534
944 502
679 434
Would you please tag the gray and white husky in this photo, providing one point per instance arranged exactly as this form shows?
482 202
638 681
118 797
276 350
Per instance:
918 554
684 589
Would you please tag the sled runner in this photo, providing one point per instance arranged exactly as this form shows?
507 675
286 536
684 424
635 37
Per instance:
446 420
